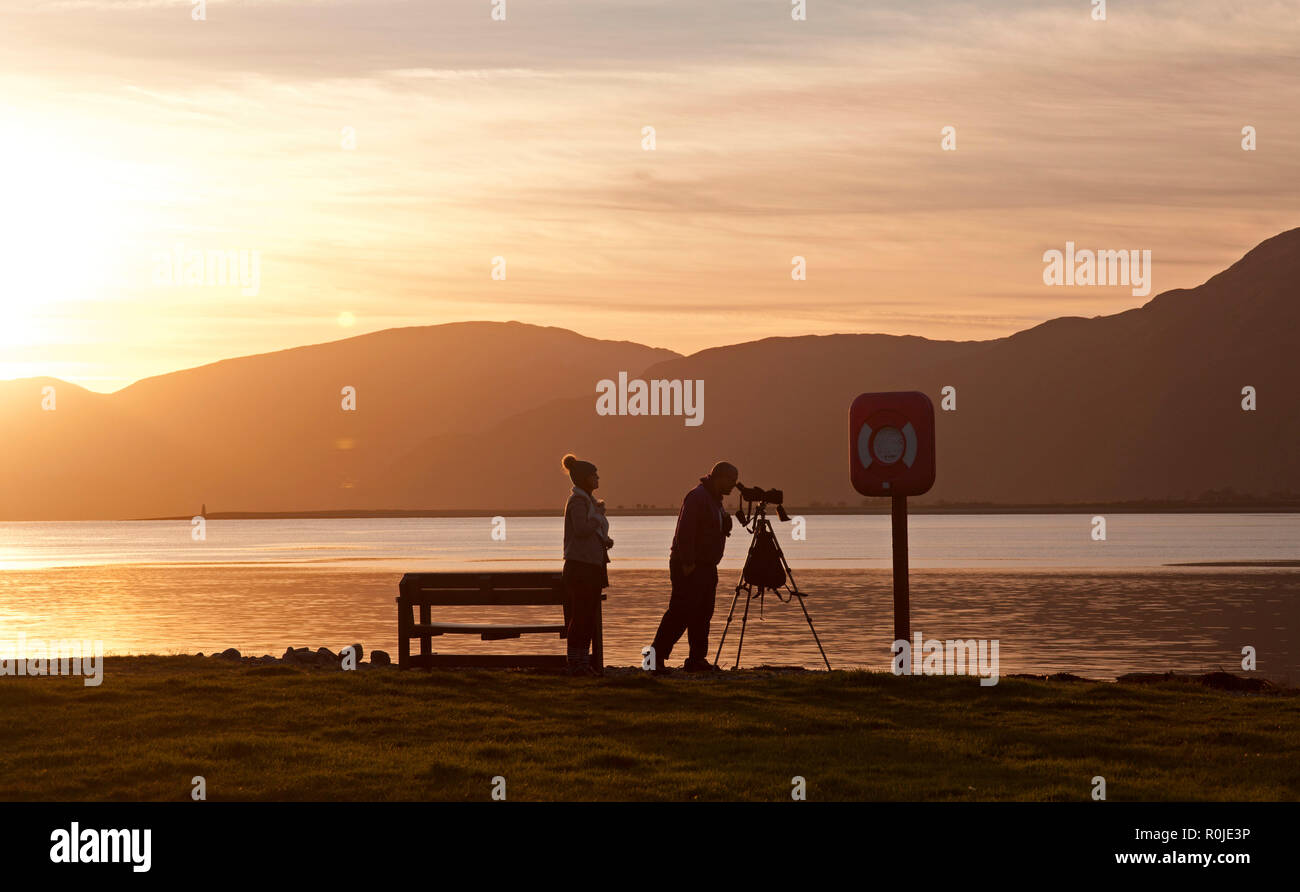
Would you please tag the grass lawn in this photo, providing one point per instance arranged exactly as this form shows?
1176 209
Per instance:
276 732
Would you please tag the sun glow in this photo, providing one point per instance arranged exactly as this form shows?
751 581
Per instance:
64 224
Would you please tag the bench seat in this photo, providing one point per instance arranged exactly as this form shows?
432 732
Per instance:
489 631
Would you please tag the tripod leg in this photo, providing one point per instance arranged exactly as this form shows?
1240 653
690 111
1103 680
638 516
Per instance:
794 590
730 613
814 631
739 585
743 621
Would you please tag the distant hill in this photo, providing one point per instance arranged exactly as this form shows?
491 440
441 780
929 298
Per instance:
269 431
1144 404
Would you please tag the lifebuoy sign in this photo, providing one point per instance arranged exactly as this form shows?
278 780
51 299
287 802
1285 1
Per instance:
891 443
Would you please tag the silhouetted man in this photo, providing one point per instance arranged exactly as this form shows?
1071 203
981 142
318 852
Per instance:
703 526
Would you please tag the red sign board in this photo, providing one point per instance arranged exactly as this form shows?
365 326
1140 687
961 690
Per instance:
891 443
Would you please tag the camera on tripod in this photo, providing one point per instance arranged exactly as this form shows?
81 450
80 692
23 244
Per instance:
764 497
765 565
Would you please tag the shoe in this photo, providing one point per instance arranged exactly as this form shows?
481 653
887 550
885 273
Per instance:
700 666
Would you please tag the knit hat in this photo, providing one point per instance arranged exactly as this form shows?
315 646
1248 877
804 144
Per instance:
578 469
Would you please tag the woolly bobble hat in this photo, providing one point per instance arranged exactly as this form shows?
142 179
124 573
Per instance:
577 468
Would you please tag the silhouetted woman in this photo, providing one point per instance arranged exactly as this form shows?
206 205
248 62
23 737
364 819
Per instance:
586 552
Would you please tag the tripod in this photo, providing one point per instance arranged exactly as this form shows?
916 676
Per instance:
763 528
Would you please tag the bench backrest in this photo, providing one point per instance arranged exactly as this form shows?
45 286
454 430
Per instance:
509 588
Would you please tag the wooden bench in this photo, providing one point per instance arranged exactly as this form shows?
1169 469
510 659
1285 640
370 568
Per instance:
429 590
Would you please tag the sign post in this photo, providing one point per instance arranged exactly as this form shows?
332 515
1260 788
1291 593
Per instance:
891 453
902 593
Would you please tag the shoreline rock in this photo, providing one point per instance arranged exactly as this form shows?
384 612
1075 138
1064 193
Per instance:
324 658
305 657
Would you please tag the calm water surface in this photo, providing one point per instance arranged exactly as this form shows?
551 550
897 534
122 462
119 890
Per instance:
830 541
1056 599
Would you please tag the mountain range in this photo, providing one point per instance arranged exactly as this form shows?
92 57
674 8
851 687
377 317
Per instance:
1144 404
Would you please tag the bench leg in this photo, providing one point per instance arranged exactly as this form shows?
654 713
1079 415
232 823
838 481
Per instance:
426 641
403 635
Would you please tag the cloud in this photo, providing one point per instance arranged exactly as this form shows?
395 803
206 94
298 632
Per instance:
775 138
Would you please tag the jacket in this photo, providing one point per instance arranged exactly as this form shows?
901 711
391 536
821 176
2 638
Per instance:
586 530
702 529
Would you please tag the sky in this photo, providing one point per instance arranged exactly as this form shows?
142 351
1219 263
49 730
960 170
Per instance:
375 157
